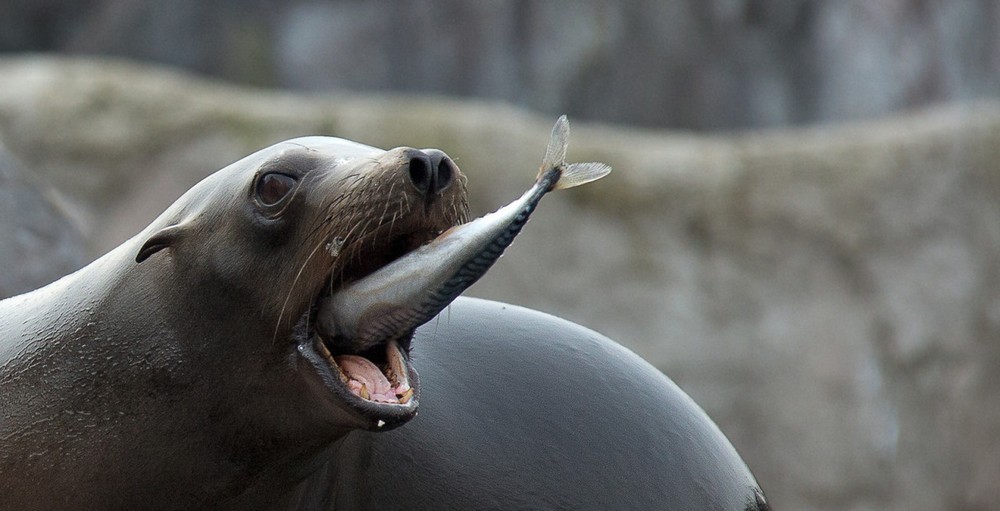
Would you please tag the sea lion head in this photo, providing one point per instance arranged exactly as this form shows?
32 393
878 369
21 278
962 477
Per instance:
258 244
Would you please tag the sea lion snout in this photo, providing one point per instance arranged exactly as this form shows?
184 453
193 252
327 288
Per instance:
431 171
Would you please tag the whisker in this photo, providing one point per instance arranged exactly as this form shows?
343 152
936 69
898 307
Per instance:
291 289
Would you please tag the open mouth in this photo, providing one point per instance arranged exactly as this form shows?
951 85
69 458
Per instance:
378 383
380 375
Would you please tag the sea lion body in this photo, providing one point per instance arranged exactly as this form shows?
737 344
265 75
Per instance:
183 370
522 410
171 373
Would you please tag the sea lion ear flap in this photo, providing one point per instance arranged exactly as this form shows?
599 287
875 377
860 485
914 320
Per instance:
159 241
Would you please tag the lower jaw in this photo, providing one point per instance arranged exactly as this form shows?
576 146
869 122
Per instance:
366 414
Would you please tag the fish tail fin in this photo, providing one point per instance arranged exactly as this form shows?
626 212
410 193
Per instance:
555 153
554 165
576 174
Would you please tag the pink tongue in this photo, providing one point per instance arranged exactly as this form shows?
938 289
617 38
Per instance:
362 371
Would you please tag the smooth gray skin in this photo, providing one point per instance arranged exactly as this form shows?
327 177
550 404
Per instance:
522 410
175 382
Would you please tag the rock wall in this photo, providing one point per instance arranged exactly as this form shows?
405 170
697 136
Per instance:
694 64
831 296
38 242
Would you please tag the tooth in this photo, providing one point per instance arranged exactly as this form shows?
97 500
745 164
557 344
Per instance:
340 372
329 358
364 392
396 364
323 350
405 396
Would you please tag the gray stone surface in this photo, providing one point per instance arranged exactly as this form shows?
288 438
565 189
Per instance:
38 242
830 295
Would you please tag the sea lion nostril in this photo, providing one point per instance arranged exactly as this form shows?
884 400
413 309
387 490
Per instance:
445 174
431 171
421 172
444 170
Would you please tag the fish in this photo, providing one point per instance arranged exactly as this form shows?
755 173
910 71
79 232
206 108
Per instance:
389 304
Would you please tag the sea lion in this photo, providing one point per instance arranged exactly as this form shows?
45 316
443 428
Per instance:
213 360
180 367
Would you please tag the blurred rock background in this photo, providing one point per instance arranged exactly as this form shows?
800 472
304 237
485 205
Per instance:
690 64
803 229
38 242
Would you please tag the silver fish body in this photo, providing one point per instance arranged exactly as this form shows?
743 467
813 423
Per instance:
393 301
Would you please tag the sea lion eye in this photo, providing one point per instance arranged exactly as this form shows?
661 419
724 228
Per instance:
273 186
